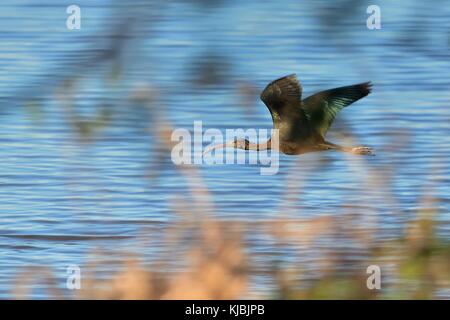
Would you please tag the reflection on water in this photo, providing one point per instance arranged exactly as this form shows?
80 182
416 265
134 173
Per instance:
87 116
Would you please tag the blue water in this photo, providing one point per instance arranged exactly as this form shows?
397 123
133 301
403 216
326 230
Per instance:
62 198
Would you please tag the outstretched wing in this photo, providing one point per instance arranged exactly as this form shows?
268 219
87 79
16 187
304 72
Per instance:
321 108
282 96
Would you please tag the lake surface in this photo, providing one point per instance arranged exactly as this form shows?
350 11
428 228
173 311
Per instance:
66 193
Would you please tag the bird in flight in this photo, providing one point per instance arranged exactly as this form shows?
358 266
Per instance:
303 124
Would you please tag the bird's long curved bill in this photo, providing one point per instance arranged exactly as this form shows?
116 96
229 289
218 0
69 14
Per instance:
209 149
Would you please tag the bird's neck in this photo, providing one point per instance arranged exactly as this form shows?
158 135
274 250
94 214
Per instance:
246 145
271 144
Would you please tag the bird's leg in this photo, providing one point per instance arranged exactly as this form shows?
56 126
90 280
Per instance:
355 150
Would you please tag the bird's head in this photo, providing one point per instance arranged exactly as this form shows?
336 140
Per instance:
241 144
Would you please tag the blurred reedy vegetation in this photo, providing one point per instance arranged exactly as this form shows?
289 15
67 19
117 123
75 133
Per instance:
216 264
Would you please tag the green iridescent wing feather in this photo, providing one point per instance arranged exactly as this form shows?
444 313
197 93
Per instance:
321 108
